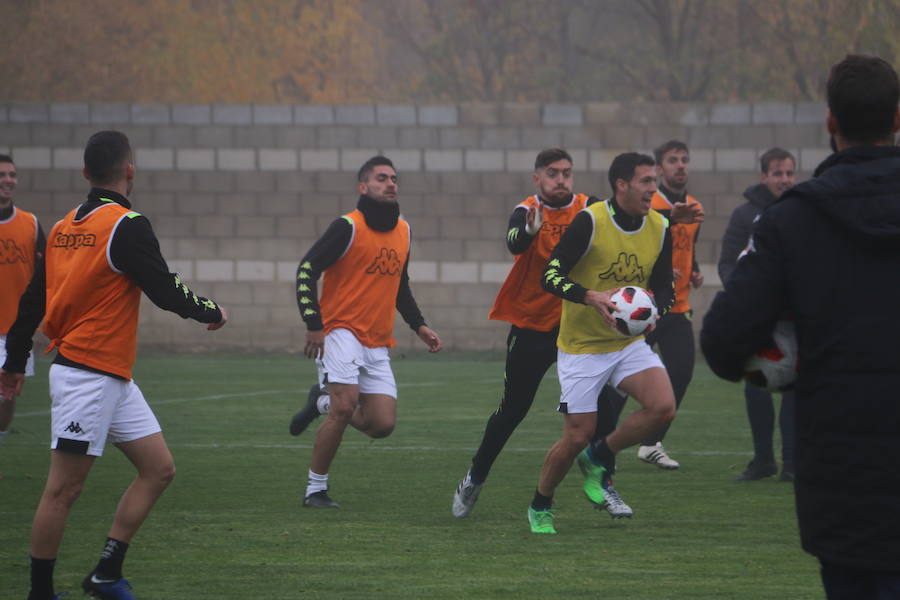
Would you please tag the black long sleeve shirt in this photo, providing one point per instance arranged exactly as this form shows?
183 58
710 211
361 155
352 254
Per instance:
575 242
332 246
134 250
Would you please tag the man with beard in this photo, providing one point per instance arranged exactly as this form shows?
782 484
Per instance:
364 256
535 227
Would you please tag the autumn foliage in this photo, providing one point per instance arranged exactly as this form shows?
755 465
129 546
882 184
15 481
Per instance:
382 51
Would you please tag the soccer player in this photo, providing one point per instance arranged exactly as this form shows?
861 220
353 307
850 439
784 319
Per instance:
827 253
535 227
777 167
101 255
609 244
22 245
365 258
674 333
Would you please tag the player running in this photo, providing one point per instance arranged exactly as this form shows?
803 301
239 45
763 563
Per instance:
365 257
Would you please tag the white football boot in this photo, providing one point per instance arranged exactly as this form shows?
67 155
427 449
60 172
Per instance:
465 496
656 455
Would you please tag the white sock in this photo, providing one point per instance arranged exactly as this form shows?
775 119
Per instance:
317 483
323 404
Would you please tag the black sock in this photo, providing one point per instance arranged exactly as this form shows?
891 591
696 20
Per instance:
41 578
541 502
111 559
602 455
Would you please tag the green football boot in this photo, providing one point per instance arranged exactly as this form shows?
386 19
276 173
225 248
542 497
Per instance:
541 521
599 489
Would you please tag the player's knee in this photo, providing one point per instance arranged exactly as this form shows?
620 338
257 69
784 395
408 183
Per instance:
167 473
381 430
664 412
578 439
64 495
342 413
160 474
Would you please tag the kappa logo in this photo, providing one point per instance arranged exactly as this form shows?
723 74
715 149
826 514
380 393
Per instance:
74 241
681 238
10 253
387 263
74 427
554 229
625 269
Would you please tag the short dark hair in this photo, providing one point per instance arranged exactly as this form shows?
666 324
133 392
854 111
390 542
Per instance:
624 165
863 92
6 158
369 166
549 156
773 154
661 150
105 156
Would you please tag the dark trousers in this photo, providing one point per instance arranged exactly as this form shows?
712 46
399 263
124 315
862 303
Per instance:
847 583
674 337
529 354
761 414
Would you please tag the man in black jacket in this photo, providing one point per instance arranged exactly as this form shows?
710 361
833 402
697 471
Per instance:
777 168
816 254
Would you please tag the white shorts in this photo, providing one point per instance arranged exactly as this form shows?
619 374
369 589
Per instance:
29 366
348 361
582 376
89 408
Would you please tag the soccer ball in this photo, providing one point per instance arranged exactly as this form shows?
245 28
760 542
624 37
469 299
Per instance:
635 311
774 366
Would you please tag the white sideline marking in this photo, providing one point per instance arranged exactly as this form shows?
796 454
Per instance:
370 446
177 400
41 413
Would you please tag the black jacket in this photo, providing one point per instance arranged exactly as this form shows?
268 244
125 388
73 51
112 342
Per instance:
829 253
740 226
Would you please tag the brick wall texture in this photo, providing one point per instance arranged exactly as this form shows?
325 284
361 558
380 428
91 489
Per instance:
238 193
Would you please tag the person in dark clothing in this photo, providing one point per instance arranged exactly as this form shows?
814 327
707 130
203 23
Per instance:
99 259
816 254
777 167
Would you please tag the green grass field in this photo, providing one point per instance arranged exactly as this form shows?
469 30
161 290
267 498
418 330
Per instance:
231 526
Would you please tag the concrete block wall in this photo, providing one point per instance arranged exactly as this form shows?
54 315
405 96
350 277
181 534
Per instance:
238 193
